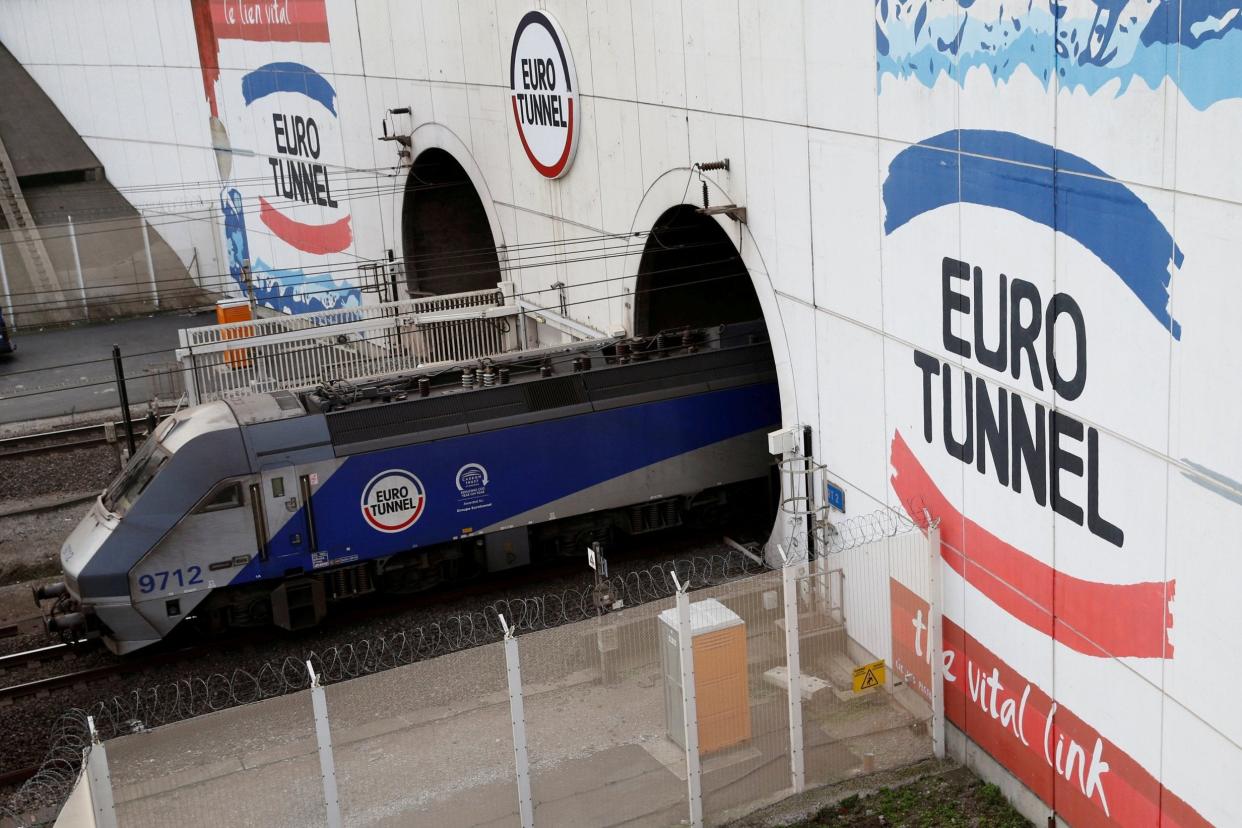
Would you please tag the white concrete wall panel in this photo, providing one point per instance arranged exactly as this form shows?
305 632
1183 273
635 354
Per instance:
773 63
713 65
778 203
845 225
659 52
619 153
1080 151
840 83
850 360
611 42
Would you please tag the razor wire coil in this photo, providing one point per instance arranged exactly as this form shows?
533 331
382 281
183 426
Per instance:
193 696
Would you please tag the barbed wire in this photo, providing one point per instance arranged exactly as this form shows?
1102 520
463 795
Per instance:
193 696
844 534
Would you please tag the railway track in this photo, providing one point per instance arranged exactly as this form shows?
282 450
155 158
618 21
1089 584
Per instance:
32 693
24 626
14 668
13 661
346 617
66 439
13 690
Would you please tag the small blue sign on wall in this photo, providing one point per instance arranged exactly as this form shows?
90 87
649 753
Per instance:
836 497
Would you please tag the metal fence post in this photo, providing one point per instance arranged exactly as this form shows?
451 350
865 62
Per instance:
793 660
77 263
185 356
517 714
99 780
935 637
685 640
146 245
323 735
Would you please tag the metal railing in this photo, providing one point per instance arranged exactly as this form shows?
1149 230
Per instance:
297 353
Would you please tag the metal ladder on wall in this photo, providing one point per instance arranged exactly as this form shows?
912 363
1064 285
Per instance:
43 279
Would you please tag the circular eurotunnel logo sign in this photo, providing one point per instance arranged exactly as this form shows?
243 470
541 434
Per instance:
393 501
543 87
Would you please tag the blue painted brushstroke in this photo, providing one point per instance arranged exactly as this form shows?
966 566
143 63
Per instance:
1196 44
1081 201
288 77
288 290
291 290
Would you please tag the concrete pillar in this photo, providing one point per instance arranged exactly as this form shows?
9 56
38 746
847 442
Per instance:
8 296
77 264
146 246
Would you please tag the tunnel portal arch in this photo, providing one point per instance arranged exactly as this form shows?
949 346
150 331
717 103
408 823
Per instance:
691 274
446 236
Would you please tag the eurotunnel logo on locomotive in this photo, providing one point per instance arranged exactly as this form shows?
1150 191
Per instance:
542 87
393 501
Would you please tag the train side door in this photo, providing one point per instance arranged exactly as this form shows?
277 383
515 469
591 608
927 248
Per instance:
285 515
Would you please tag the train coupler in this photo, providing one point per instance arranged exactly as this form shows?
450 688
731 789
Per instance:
47 591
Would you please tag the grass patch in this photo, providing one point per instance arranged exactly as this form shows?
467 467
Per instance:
956 798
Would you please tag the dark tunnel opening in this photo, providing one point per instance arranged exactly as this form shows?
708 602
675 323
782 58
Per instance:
691 274
445 232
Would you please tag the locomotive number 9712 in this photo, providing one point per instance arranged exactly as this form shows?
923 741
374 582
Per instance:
159 581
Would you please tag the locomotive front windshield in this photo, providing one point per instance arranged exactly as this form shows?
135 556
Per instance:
136 476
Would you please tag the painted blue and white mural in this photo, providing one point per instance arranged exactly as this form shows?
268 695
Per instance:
1094 44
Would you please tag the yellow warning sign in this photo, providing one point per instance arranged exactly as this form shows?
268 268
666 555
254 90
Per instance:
868 676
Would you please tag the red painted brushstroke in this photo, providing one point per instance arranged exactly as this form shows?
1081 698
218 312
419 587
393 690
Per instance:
1098 619
309 238
298 21
1120 792
557 168
295 21
208 50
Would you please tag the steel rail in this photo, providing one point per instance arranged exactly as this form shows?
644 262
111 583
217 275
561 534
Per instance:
65 438
12 660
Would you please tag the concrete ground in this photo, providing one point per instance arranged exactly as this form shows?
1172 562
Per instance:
431 744
34 385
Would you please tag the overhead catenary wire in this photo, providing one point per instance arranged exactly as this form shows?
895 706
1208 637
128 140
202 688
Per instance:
211 190
85 188
240 341
490 249
466 253
210 210
210 213
455 274
531 292
510 264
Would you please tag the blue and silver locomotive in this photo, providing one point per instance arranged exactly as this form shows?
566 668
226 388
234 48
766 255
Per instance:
269 508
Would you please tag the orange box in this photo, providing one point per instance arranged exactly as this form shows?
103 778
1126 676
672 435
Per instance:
235 310
722 692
